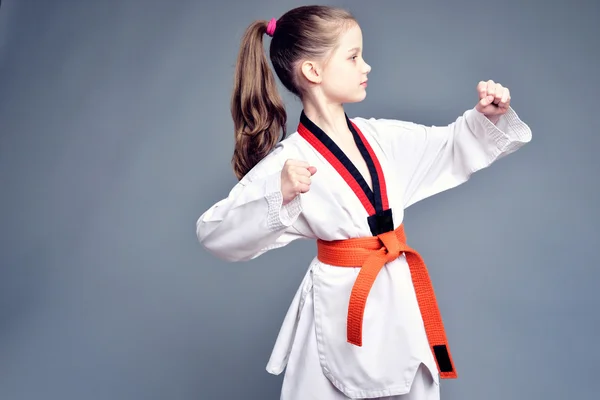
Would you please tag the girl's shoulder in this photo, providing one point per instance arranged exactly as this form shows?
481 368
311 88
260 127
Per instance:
384 126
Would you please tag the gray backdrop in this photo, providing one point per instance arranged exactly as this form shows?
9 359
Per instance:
116 135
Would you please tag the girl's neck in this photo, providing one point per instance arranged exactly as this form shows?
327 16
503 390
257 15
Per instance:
329 117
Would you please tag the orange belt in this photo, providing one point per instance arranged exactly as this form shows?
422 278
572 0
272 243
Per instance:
372 253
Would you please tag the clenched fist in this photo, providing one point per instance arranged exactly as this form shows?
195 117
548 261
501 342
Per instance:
494 100
295 179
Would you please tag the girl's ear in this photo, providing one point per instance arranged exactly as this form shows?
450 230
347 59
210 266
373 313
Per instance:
311 71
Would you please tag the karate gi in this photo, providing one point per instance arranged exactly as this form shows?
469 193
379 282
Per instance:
395 360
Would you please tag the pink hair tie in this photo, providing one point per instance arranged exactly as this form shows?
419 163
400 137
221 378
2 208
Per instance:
271 27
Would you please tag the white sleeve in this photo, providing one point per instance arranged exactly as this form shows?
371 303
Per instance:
433 159
250 220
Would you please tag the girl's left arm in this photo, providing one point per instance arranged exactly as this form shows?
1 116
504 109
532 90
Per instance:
432 159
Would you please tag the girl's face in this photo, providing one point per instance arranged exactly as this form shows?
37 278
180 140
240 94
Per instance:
344 77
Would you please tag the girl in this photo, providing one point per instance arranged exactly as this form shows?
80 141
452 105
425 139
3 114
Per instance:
364 322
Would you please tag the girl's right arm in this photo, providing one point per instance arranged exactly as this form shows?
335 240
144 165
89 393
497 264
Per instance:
253 218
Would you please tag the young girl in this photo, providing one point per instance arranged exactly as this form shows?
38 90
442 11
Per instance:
364 322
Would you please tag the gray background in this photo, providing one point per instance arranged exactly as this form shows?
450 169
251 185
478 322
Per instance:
116 135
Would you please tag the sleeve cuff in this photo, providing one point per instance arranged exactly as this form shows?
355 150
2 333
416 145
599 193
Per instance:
280 216
508 131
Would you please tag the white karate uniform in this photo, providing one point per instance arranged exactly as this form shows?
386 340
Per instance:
395 360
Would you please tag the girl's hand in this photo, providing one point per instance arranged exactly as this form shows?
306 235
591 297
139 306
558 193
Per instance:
494 100
295 179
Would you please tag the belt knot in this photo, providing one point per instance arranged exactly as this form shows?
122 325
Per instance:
391 245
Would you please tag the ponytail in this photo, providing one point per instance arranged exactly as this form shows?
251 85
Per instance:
257 109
